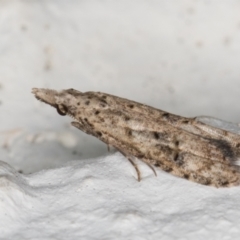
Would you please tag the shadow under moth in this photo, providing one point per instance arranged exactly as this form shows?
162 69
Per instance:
184 147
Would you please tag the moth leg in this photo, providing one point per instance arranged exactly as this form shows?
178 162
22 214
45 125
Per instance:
150 166
131 161
136 168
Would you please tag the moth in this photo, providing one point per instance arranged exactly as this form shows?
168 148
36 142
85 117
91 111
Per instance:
184 147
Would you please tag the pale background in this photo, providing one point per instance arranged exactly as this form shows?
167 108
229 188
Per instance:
179 56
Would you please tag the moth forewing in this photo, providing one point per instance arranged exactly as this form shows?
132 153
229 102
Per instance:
185 147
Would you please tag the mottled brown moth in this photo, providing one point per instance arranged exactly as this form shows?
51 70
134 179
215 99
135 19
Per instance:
184 147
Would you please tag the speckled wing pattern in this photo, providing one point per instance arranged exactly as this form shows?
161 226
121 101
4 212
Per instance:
181 146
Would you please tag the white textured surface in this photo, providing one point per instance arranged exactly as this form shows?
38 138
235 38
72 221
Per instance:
101 199
181 56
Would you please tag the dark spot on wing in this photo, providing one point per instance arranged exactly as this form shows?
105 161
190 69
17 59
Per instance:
99 134
78 103
140 155
157 164
224 183
103 101
170 117
70 90
178 158
160 135
126 118
168 169
102 119
87 102
88 123
97 112
224 147
185 121
208 182
165 115
156 135
175 158
73 92
131 106
186 176
128 131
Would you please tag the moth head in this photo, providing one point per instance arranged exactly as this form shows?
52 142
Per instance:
66 102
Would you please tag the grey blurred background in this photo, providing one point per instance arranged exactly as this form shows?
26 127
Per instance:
179 56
